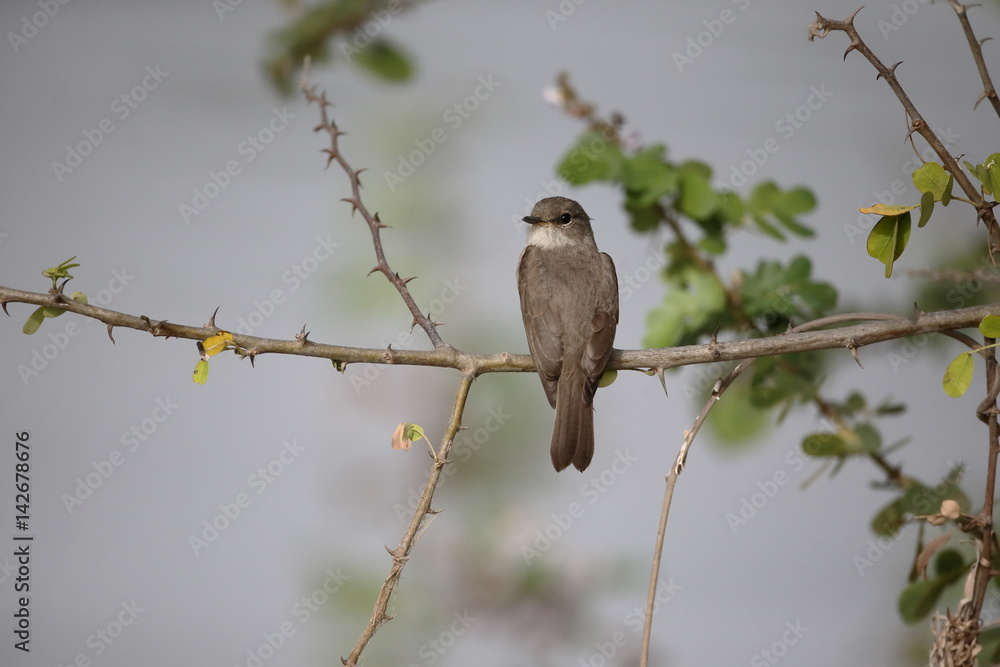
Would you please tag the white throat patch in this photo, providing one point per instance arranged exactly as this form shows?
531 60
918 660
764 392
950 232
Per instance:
548 236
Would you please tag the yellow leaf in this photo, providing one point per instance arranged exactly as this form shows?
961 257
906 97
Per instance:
217 343
885 209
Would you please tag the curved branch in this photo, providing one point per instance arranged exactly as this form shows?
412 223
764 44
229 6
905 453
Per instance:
821 27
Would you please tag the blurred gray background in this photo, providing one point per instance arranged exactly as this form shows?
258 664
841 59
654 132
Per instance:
332 492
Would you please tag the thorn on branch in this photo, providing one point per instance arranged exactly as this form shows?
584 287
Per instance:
302 336
111 328
353 202
853 347
3 304
211 320
663 381
892 70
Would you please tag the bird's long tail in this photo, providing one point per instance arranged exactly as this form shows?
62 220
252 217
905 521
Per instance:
573 431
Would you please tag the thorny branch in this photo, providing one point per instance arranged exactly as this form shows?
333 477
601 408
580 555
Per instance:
976 46
888 327
375 225
821 27
402 552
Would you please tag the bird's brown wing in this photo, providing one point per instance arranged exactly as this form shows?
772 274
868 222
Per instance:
541 325
604 324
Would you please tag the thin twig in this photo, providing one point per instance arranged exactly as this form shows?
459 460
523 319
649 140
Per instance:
985 572
374 224
402 552
976 46
821 27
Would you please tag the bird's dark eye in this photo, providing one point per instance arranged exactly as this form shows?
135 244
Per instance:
565 218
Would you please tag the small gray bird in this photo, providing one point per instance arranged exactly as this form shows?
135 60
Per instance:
569 302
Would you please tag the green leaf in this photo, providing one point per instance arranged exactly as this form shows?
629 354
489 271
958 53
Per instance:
958 377
994 172
946 197
714 245
888 239
385 61
647 177
792 379
731 207
693 302
792 225
825 444
983 174
413 432
608 378
889 519
870 438
61 271
767 204
855 402
990 326
786 205
201 371
948 561
926 208
919 599
34 321
592 159
643 218
931 178
786 292
798 200
737 421
767 227
698 200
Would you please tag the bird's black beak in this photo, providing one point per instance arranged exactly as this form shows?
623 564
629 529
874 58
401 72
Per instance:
532 220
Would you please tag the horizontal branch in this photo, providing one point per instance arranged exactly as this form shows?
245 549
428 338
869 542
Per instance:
884 327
